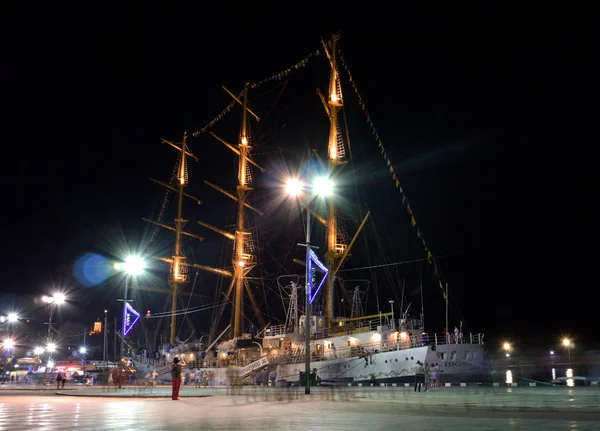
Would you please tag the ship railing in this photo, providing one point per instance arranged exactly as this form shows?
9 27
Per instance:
275 330
441 339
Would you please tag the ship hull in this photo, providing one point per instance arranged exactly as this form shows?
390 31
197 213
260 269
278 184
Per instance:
459 363
393 366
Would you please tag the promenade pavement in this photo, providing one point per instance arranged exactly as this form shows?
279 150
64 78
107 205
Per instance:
280 408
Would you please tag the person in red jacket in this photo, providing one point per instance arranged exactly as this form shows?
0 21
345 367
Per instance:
176 368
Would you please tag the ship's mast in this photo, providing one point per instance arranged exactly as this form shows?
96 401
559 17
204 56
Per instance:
335 158
242 262
243 259
336 253
178 267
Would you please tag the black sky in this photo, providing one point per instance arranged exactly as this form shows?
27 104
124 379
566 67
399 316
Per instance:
487 112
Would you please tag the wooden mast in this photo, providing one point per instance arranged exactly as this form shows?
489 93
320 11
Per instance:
335 159
242 258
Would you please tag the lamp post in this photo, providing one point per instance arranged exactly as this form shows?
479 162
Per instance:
104 355
323 186
56 299
133 265
507 348
393 319
567 343
8 344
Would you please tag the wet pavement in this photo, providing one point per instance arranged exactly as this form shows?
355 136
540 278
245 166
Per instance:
275 408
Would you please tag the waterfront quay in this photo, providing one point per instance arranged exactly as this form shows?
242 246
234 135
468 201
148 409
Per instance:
348 408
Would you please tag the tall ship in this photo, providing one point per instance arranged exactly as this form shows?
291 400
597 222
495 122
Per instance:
357 348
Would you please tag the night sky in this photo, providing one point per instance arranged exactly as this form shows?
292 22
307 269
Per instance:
484 113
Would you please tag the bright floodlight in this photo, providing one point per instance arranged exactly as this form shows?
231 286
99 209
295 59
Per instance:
293 187
134 265
83 350
59 298
566 342
13 317
323 186
506 346
51 347
38 350
8 344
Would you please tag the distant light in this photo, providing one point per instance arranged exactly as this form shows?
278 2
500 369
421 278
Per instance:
12 317
570 372
506 346
509 377
38 350
566 342
323 186
51 347
552 352
241 263
508 355
83 350
8 344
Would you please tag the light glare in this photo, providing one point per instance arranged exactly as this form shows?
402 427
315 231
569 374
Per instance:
59 298
13 317
323 186
293 187
9 344
134 265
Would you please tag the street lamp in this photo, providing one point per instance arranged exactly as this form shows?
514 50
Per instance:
8 343
56 299
132 266
50 348
12 317
323 186
567 343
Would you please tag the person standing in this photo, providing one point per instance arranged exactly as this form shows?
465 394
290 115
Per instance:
433 371
419 375
176 368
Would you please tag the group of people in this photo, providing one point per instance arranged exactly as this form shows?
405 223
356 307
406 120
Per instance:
61 379
427 375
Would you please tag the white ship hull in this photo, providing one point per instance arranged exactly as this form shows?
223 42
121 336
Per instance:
391 366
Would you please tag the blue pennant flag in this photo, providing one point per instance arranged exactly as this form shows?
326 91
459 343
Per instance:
128 322
313 261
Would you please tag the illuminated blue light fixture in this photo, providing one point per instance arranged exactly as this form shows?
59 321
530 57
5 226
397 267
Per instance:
128 311
313 259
